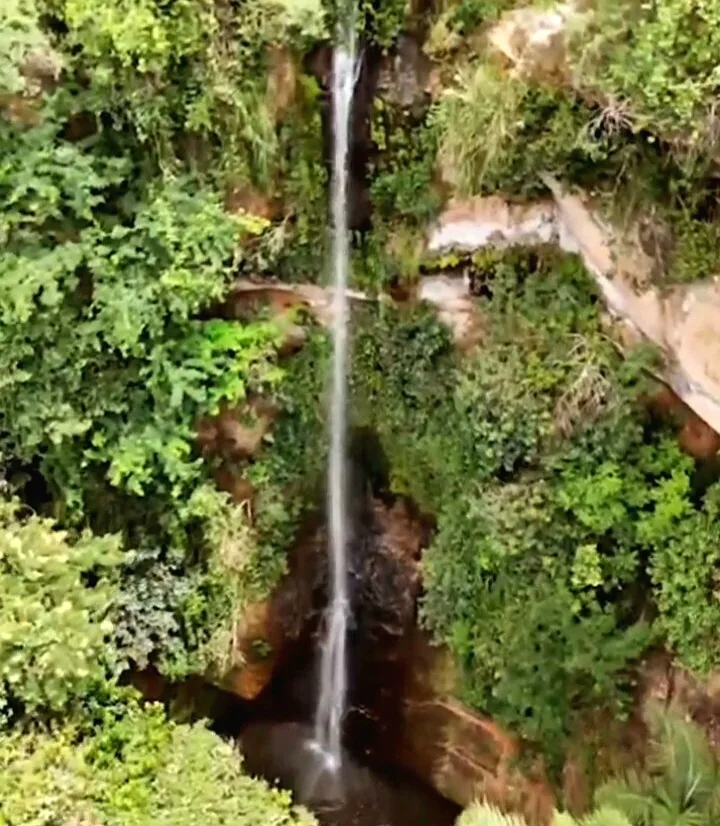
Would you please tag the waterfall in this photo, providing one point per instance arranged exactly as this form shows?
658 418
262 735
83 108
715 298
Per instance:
333 669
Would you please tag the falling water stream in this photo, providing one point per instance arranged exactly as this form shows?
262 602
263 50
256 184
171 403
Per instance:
333 668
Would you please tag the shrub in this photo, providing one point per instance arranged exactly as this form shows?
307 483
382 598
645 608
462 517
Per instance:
107 365
137 769
188 68
56 598
684 568
659 59
549 485
497 132
21 38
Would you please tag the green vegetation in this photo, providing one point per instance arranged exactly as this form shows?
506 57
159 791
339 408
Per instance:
403 196
498 133
105 366
485 814
173 70
116 247
54 628
637 127
381 22
132 767
679 785
74 748
155 152
20 38
553 491
680 782
660 61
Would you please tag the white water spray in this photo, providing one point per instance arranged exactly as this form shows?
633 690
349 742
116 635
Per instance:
333 669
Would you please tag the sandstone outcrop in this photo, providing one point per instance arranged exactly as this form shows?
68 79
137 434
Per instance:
682 321
532 42
460 753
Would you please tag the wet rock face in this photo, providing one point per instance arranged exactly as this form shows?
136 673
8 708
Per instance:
404 75
269 632
384 583
319 64
402 715
384 570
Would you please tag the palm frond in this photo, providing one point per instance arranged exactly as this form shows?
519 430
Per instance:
680 786
630 795
681 755
606 816
485 814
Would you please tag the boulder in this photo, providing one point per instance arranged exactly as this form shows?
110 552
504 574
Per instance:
247 297
450 295
532 42
237 431
493 221
461 754
282 81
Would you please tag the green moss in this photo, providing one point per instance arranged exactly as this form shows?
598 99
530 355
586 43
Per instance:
302 177
381 21
402 167
288 474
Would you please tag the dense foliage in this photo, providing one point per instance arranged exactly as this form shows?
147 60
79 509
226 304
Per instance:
155 152
53 627
74 748
140 123
660 60
554 494
133 768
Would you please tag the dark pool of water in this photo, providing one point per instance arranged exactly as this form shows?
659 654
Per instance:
356 796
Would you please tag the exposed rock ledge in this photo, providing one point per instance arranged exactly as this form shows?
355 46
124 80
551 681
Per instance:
449 295
683 321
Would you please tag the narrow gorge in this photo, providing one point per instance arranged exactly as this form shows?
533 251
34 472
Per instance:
359 413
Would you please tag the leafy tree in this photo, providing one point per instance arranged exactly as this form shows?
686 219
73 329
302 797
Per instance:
553 493
684 572
56 598
107 365
134 768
